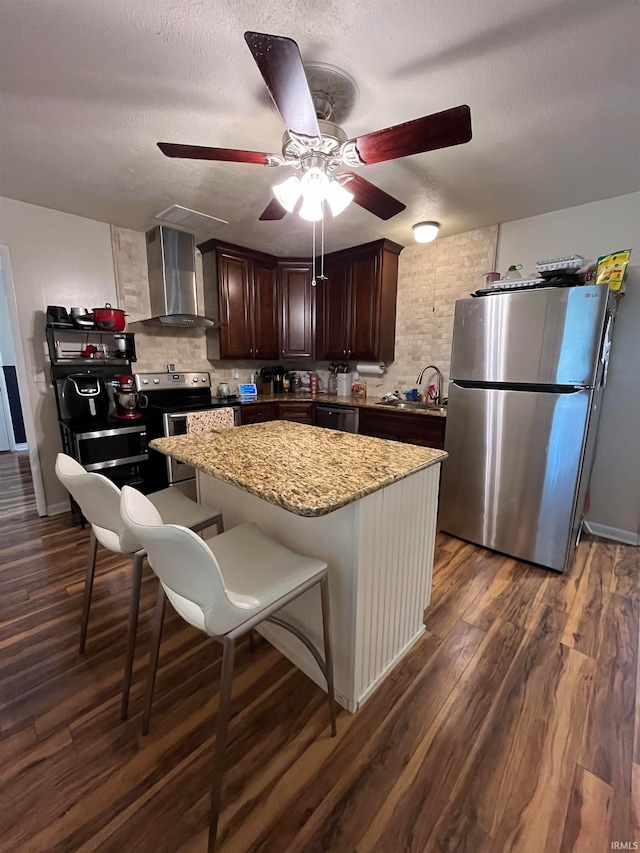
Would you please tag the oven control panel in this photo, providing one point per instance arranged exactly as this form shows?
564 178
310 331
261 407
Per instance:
166 381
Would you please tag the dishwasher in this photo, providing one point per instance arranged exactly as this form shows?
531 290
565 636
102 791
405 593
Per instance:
344 418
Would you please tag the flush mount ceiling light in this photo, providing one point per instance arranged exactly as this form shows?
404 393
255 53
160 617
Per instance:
425 232
315 186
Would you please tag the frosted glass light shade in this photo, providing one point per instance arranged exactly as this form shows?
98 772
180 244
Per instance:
314 184
310 209
338 197
425 232
315 187
288 192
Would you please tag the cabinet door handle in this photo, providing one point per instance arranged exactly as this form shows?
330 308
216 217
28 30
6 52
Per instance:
256 351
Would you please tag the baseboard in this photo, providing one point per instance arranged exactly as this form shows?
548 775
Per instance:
624 536
58 509
22 446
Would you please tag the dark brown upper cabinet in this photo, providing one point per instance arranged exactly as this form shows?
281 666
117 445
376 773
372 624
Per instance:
296 298
269 310
356 304
333 317
247 288
265 310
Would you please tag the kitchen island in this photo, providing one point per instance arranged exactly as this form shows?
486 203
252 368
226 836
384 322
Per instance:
365 505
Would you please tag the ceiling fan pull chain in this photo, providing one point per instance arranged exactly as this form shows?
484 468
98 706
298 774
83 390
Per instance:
322 275
313 254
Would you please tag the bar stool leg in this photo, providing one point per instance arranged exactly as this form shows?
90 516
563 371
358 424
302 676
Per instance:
222 727
88 588
153 656
132 630
328 653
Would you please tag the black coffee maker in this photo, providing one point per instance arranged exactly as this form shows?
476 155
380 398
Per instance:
277 374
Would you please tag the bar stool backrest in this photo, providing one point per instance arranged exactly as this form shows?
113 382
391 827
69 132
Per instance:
99 500
184 564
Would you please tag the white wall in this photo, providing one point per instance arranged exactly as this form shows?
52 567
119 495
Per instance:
7 358
56 259
592 230
7 350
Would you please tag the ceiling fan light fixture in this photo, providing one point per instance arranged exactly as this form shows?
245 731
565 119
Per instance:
311 209
314 184
288 192
425 232
338 197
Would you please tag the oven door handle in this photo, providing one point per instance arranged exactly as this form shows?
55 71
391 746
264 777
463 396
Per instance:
169 418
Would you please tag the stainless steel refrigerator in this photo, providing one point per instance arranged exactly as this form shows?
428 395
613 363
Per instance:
528 370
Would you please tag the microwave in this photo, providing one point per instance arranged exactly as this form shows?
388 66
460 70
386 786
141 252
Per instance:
97 449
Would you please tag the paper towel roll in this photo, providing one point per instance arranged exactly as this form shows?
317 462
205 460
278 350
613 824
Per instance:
376 369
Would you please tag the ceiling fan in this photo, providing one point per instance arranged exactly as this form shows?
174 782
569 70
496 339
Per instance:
315 144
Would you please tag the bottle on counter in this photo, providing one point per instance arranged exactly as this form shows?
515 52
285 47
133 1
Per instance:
513 273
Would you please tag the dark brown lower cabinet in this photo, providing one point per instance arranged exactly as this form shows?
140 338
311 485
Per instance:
257 413
425 430
301 413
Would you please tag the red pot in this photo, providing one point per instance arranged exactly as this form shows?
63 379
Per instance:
109 319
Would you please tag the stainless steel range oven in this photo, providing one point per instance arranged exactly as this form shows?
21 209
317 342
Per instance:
166 399
175 423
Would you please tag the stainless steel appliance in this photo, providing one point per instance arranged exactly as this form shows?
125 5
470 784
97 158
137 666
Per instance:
171 262
528 371
107 446
165 400
343 418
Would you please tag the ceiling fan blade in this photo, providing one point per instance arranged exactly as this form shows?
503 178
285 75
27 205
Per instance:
280 64
203 152
370 197
274 210
440 130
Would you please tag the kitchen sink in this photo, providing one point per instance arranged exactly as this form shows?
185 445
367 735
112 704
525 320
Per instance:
410 404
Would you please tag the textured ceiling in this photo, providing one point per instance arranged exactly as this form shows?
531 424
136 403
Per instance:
89 86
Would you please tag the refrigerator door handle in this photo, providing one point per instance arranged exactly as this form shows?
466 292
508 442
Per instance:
605 352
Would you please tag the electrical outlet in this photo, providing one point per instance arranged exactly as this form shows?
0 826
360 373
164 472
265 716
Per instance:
236 374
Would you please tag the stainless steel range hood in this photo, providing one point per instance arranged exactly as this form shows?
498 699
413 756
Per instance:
171 260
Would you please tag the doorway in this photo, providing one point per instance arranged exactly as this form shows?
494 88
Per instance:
17 427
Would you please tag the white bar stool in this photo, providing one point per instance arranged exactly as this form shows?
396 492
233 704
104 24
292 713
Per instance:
99 501
224 586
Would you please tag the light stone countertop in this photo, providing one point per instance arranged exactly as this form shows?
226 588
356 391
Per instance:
306 470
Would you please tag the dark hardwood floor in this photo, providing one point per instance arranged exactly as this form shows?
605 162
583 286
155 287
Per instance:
514 725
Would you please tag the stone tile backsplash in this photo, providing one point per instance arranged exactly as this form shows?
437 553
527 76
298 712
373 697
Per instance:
430 279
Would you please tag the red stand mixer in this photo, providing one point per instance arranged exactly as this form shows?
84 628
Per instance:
126 397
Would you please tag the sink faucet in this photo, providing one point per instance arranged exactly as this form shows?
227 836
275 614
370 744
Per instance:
438 380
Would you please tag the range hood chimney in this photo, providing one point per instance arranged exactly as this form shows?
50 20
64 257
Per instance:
171 260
